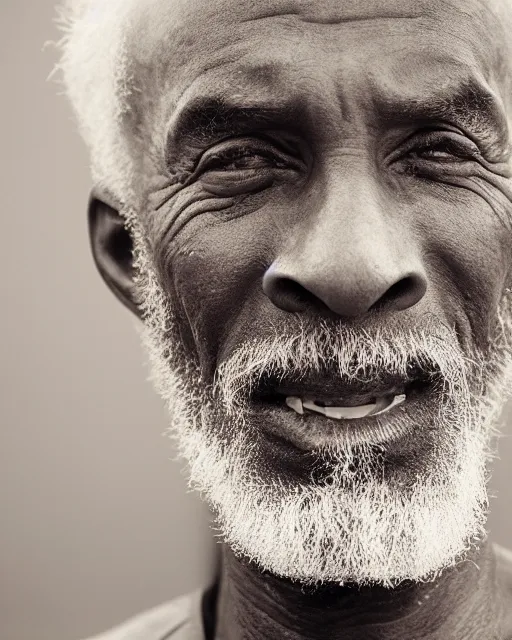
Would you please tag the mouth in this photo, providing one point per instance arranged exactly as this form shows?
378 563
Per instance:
342 400
349 409
318 411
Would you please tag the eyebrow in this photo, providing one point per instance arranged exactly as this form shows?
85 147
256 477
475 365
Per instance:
207 119
468 105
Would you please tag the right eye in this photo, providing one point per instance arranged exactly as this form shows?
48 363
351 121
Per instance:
239 159
243 165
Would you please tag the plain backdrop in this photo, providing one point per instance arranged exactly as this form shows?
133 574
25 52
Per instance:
96 521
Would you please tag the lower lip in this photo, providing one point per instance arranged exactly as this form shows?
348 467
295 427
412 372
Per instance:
313 431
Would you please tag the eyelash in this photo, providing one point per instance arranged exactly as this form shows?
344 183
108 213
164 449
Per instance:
222 159
272 155
456 147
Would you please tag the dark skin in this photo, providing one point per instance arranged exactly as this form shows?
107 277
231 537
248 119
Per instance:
340 160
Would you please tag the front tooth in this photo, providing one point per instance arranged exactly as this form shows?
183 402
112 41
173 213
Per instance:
295 404
346 413
340 413
349 413
309 404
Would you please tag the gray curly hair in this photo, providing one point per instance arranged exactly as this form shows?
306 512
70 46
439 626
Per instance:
95 75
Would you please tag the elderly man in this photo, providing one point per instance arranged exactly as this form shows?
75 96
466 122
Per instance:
309 206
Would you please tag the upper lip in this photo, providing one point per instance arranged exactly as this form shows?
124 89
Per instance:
332 387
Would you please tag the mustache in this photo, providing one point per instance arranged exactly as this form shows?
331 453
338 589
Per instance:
323 354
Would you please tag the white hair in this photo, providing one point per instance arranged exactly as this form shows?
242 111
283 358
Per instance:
94 71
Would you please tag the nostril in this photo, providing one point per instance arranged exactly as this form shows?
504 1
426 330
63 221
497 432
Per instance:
400 288
291 295
402 294
286 293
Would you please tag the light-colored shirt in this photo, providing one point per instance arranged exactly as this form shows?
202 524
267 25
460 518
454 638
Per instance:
179 619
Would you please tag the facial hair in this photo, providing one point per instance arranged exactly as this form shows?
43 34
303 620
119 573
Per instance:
361 523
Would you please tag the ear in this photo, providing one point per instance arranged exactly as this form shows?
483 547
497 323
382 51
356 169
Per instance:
112 248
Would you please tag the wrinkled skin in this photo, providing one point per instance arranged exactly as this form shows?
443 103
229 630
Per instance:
335 159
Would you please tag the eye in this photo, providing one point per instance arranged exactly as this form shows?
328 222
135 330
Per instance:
243 155
442 147
239 159
244 165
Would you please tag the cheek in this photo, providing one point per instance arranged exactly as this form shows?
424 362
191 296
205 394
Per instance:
468 248
212 274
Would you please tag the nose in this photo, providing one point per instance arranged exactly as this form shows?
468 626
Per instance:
291 293
351 259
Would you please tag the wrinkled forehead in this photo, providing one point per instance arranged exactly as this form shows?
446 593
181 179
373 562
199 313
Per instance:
257 44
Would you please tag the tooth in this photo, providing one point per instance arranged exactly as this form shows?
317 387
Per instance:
295 404
340 413
382 404
348 413
395 402
309 404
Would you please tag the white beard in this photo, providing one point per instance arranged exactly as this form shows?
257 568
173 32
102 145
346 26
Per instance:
361 528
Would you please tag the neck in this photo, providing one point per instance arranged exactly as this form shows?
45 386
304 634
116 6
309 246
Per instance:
462 604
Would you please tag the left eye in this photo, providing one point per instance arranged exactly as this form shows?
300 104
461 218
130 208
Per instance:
443 146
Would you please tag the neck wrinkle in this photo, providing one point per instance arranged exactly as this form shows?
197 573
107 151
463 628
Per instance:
462 604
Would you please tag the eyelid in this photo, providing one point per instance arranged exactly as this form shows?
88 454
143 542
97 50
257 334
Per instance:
269 148
465 146
427 137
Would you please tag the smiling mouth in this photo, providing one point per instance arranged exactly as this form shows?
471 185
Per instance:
344 401
336 410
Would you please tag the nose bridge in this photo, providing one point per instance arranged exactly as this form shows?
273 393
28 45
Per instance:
349 251
351 228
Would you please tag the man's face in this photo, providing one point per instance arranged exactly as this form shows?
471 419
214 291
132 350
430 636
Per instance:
324 218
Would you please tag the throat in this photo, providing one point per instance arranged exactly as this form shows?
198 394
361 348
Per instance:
462 604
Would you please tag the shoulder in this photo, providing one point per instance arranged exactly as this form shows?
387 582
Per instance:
178 619
504 580
503 564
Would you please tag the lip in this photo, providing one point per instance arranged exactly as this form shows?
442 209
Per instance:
342 393
333 390
312 431
344 398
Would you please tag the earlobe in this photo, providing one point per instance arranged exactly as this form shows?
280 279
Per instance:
112 248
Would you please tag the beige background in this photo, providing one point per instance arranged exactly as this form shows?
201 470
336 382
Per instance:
96 521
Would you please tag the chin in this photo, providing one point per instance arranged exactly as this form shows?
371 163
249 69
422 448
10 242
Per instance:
365 517
403 499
